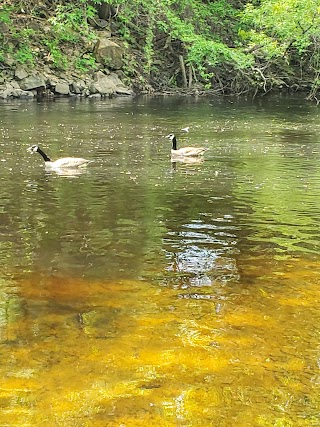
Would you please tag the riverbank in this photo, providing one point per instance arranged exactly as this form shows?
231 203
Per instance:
103 49
21 83
73 70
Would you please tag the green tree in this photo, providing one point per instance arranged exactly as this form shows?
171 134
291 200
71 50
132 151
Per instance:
228 46
284 32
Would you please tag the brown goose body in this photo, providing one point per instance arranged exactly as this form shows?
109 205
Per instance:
184 151
65 162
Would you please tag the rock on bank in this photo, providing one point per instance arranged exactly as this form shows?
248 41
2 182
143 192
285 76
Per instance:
18 81
21 83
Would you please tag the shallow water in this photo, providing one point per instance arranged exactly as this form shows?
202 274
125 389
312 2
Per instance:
144 292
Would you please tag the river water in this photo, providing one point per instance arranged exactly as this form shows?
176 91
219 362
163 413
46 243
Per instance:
141 292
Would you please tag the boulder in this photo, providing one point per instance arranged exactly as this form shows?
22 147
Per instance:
34 81
109 53
103 86
78 86
75 88
6 90
108 85
12 89
121 89
20 73
52 81
15 85
62 88
5 93
19 93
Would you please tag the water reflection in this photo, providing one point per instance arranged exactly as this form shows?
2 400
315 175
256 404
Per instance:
197 254
67 172
187 161
158 293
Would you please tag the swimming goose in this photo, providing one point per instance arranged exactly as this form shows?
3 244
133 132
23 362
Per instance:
184 151
65 162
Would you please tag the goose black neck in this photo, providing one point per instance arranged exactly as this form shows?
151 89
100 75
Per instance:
174 143
45 157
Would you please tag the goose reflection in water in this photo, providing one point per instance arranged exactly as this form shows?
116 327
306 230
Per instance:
186 163
67 172
188 160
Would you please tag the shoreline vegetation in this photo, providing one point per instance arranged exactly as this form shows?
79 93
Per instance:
110 48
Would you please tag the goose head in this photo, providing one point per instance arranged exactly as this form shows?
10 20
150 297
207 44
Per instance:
36 149
33 149
171 136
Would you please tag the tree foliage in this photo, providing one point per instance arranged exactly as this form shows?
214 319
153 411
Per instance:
285 32
229 46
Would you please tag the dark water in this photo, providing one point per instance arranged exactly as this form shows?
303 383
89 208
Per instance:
144 292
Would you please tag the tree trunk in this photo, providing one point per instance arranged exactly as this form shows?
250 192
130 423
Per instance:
183 71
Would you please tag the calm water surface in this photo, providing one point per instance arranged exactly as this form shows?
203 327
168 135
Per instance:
140 292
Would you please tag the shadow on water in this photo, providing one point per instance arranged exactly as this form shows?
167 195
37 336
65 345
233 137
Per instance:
144 292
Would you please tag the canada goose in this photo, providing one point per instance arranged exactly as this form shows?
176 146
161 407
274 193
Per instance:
65 162
184 151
